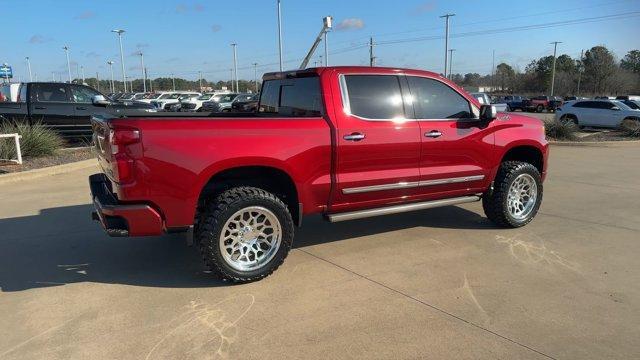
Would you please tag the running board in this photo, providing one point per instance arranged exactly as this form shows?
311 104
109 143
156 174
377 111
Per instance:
396 209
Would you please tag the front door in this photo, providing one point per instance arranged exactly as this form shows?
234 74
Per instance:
378 150
457 149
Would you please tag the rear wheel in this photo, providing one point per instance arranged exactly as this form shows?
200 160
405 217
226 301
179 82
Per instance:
516 195
245 234
539 108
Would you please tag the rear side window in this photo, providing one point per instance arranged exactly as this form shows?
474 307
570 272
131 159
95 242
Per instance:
374 96
435 100
51 92
297 97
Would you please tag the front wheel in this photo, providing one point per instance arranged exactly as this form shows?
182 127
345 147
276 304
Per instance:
246 234
516 195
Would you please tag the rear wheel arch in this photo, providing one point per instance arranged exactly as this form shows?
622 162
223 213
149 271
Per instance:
268 178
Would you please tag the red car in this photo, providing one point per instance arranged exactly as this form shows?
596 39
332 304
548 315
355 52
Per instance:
345 142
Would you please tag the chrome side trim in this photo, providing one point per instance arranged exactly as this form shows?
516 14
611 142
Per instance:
413 184
400 185
396 209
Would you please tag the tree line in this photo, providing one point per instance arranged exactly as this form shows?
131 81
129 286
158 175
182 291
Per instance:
597 72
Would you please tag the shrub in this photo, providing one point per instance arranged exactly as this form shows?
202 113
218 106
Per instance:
631 127
37 140
561 130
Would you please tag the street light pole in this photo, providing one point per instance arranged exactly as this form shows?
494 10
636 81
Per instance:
580 72
326 48
173 82
82 72
553 71
255 75
280 34
231 70
124 74
200 75
113 87
372 59
29 66
446 40
144 74
66 50
235 65
451 63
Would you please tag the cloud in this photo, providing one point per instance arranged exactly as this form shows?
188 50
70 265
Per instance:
184 8
350 24
39 39
181 8
425 7
216 27
85 15
198 8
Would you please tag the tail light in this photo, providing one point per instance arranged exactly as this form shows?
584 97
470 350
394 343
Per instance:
122 141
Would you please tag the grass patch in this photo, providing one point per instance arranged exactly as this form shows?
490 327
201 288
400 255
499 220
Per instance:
557 130
37 140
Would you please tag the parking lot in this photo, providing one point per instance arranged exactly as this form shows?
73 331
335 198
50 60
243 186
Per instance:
440 283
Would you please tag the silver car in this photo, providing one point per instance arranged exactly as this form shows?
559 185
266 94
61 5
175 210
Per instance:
597 113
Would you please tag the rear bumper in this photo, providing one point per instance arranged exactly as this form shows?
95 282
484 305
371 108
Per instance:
122 219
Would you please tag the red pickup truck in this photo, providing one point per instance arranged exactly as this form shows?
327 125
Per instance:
345 142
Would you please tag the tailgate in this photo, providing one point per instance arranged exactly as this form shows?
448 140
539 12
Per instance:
101 129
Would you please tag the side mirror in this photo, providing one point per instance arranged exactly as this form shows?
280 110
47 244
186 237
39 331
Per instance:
100 100
488 113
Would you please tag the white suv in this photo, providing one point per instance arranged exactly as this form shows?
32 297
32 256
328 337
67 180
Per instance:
598 113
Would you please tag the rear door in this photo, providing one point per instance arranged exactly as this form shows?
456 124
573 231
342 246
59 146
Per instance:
52 106
377 147
456 149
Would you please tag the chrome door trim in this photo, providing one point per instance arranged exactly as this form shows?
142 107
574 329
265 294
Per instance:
395 209
413 184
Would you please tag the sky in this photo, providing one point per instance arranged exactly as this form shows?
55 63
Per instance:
183 37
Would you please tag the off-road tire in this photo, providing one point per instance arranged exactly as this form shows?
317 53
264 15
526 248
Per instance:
494 201
214 217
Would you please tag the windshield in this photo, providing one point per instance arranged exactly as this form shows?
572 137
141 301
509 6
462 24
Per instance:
174 96
227 98
205 97
152 96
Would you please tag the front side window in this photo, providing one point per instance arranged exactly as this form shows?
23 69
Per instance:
297 97
82 94
435 100
52 92
374 96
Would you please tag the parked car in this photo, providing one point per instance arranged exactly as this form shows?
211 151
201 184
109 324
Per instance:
9 92
220 103
596 113
484 99
242 182
66 108
194 104
542 103
245 103
628 97
177 106
514 102
633 104
172 98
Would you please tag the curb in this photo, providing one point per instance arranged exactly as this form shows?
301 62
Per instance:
51 170
621 143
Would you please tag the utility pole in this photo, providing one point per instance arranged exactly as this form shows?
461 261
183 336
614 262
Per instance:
29 67
82 72
53 76
124 74
446 40
553 70
113 86
280 34
173 81
255 75
200 74
97 81
66 50
580 71
232 90
144 73
451 63
493 69
235 65
372 59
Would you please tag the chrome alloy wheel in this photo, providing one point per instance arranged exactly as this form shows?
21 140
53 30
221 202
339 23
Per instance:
522 196
250 238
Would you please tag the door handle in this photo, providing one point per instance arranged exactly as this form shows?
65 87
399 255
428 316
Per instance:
354 137
433 134
40 108
81 108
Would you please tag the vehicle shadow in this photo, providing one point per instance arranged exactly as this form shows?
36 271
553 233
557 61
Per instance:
62 246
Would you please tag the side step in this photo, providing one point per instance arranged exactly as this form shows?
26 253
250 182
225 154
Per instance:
352 215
